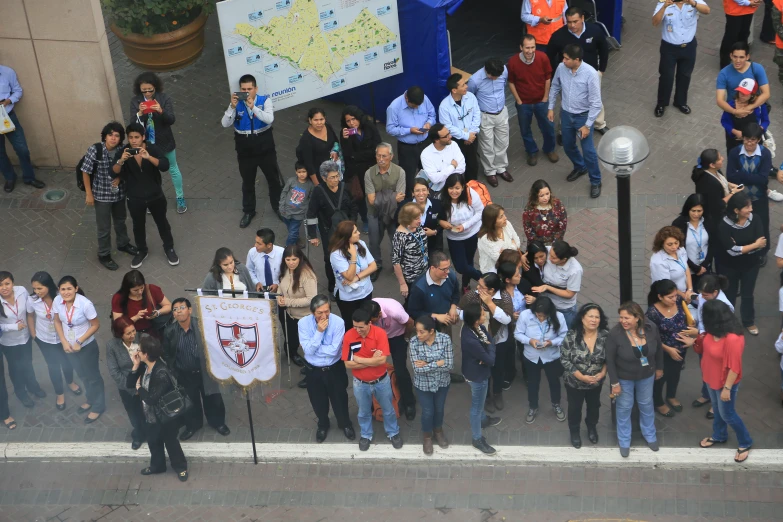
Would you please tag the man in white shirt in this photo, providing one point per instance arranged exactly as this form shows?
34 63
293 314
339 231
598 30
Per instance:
442 157
264 261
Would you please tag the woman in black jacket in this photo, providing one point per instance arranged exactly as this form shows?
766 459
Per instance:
157 118
478 357
713 186
152 380
358 140
318 143
119 353
698 246
139 164
430 210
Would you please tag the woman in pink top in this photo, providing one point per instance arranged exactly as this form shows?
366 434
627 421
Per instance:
721 348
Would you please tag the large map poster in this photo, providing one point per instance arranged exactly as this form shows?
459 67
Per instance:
300 50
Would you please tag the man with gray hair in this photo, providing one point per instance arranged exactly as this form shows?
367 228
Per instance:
384 185
321 337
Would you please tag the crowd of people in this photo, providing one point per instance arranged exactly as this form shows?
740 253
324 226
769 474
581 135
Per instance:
517 303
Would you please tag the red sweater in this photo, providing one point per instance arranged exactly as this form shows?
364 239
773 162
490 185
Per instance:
718 357
529 80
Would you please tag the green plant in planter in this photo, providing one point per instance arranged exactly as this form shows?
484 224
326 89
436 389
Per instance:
149 17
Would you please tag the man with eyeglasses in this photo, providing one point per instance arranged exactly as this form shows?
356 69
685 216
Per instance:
184 353
459 111
384 184
441 158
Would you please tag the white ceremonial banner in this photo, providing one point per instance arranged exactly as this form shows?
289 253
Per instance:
240 336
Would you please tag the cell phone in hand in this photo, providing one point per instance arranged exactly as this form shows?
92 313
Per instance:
352 131
241 96
146 106
741 187
133 152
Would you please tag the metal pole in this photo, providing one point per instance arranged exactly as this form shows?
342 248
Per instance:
287 348
252 432
624 236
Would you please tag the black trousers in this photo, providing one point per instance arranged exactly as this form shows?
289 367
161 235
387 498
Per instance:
498 373
165 435
57 363
86 363
325 235
767 33
253 152
470 151
398 347
511 359
137 207
409 158
347 308
761 209
5 412
20 369
737 30
677 62
553 371
742 282
671 379
213 406
577 397
325 385
135 411
291 328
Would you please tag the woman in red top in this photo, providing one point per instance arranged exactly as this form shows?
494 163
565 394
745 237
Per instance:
721 348
140 303
544 218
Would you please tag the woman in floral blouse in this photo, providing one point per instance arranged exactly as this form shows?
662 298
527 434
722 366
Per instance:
544 218
409 248
583 354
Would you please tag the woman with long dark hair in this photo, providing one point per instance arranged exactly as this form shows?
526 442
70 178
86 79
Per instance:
495 235
721 365
358 139
511 276
298 286
461 219
140 302
713 186
41 323
562 279
741 239
541 329
545 218
76 323
227 273
318 143
537 256
353 264
119 359
697 245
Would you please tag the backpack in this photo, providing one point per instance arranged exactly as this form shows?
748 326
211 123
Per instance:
98 158
338 215
377 412
481 189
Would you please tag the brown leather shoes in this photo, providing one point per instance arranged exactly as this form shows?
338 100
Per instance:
492 180
505 176
440 438
427 436
553 157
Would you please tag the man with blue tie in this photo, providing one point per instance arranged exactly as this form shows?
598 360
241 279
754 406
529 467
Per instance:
409 118
459 111
321 336
489 87
264 261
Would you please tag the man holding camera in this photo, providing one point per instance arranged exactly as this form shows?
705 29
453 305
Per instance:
252 115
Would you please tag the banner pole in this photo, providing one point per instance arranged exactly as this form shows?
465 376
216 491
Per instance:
287 348
252 431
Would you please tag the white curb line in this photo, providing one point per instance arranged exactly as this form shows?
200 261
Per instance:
641 457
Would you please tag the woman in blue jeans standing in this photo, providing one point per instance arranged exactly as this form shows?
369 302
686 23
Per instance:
721 347
634 359
432 357
478 357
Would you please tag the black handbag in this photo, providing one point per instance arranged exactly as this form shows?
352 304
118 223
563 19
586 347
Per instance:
173 404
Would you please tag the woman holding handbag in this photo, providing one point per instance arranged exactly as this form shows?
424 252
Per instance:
669 312
153 380
144 304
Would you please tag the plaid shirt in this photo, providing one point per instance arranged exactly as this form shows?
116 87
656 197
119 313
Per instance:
101 182
430 377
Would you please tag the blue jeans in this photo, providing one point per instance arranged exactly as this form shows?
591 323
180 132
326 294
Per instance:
383 392
433 405
725 416
643 390
705 391
293 230
525 113
478 391
569 124
19 144
569 314
176 175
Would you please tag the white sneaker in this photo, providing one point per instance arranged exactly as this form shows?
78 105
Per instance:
774 195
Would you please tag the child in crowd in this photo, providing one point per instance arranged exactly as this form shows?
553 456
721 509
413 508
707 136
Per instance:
294 201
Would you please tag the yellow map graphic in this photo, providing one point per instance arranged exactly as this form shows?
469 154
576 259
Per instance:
299 38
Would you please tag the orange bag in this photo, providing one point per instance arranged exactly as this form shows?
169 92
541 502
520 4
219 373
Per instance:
481 189
377 412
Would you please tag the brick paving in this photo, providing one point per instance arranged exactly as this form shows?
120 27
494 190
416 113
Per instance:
60 238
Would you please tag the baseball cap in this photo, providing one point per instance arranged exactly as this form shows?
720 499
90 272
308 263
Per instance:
747 86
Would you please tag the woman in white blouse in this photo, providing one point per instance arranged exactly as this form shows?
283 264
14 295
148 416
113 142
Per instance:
461 219
76 322
40 320
670 261
496 235
227 273
698 246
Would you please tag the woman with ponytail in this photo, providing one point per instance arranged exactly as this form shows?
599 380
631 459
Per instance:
713 186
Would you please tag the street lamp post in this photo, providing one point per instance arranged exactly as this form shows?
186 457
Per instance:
622 150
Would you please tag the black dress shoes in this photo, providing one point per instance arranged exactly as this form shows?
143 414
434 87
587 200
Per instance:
297 360
9 186
246 219
40 394
375 275
659 110
36 183
108 262
320 435
602 130
129 249
592 434
684 109
595 191
187 434
27 402
576 439
410 412
349 433
302 384
136 444
223 430
576 174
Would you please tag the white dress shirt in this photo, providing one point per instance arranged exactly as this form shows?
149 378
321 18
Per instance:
529 327
697 242
265 113
44 327
14 314
437 163
79 317
255 265
721 297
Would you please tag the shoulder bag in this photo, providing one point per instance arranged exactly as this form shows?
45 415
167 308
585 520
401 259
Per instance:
173 404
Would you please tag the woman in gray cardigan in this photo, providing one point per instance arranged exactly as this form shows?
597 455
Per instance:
227 273
118 359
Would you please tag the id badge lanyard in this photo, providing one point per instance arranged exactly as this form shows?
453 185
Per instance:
642 359
699 242
544 330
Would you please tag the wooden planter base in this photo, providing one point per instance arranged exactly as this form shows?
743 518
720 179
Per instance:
165 52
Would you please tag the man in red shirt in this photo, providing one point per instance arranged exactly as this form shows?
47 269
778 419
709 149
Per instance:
529 76
365 348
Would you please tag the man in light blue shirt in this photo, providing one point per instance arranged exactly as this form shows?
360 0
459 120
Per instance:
460 113
10 94
580 87
321 337
409 118
489 87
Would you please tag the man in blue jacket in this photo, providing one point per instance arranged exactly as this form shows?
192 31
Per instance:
750 164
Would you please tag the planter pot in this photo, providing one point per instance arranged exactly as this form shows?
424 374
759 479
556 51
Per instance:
167 51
